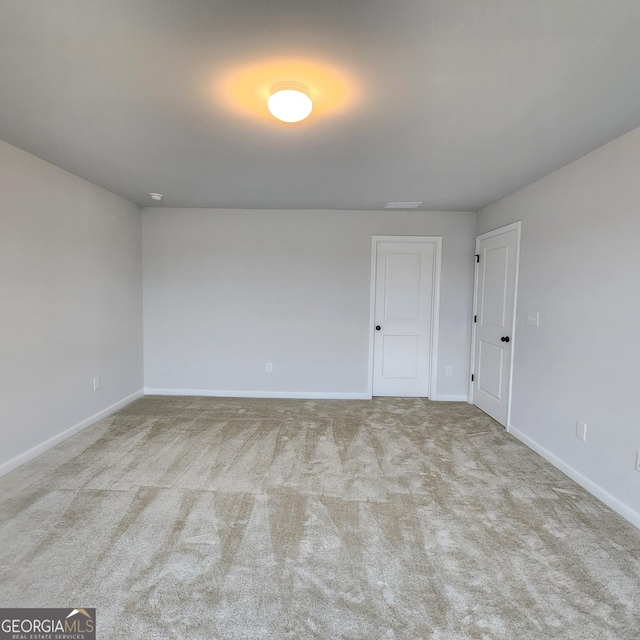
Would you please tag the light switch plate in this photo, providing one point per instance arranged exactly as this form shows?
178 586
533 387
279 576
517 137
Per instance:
533 318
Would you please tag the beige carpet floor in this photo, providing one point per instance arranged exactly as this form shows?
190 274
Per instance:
204 518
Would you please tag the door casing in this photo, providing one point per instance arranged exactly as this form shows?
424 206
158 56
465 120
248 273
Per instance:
435 303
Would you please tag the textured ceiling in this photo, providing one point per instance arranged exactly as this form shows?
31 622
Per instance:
452 102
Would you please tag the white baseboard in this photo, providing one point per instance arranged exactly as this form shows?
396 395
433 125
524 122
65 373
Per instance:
442 397
602 494
34 452
215 393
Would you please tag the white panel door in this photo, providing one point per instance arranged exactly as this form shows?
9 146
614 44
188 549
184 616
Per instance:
494 318
403 308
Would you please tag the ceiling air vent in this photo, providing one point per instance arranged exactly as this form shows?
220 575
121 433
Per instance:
402 205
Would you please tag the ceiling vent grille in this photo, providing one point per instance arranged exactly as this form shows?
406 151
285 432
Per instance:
402 205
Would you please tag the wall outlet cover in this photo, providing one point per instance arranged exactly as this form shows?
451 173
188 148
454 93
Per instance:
581 430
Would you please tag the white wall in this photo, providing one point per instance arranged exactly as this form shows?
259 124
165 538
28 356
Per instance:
227 291
70 303
580 268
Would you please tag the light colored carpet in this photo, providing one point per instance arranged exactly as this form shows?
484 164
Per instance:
204 518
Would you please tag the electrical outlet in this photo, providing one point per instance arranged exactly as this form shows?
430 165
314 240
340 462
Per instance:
581 430
269 367
96 383
448 371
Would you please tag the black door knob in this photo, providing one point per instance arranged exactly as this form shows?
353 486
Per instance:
504 339
378 327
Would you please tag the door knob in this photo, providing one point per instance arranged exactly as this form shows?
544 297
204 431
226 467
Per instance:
378 327
504 339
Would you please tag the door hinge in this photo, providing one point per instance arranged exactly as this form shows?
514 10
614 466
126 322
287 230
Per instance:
475 318
472 377
477 257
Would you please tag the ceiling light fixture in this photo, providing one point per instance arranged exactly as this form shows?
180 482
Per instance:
290 101
156 196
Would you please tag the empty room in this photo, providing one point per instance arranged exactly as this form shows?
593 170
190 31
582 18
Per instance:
318 319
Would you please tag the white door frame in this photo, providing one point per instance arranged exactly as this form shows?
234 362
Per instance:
514 226
435 303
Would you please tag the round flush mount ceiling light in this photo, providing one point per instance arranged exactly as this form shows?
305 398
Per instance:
290 101
156 196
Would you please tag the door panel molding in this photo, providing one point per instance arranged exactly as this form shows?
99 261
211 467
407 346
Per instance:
509 323
436 241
